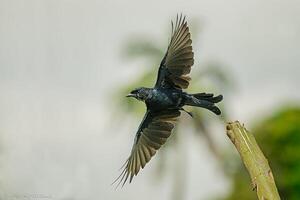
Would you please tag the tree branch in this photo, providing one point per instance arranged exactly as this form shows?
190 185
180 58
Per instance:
254 160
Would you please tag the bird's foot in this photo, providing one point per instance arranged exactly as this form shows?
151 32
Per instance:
189 113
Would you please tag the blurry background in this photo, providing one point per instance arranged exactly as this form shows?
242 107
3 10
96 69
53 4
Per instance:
66 127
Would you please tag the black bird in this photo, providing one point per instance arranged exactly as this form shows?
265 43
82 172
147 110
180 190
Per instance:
165 101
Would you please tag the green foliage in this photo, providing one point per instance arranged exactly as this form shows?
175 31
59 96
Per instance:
279 139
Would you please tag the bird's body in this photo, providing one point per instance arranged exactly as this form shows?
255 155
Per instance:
161 98
165 101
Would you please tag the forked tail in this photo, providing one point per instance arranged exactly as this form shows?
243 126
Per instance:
204 100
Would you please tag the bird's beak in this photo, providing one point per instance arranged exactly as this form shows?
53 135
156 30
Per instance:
130 95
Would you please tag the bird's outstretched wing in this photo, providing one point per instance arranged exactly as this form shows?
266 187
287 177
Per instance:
178 59
151 135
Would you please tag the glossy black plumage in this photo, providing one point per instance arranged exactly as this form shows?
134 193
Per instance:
165 101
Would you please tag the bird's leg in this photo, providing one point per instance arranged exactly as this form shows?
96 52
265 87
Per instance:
189 113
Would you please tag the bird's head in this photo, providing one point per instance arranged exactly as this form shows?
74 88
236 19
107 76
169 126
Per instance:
139 93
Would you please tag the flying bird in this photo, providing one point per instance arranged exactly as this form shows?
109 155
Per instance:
165 101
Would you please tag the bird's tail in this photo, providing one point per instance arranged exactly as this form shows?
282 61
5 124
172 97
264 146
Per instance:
204 100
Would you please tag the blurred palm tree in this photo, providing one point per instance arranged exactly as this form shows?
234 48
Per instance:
209 76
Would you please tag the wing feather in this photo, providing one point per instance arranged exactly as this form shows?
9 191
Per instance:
178 59
151 135
142 156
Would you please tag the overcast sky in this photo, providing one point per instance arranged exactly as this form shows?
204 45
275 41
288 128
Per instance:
59 59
